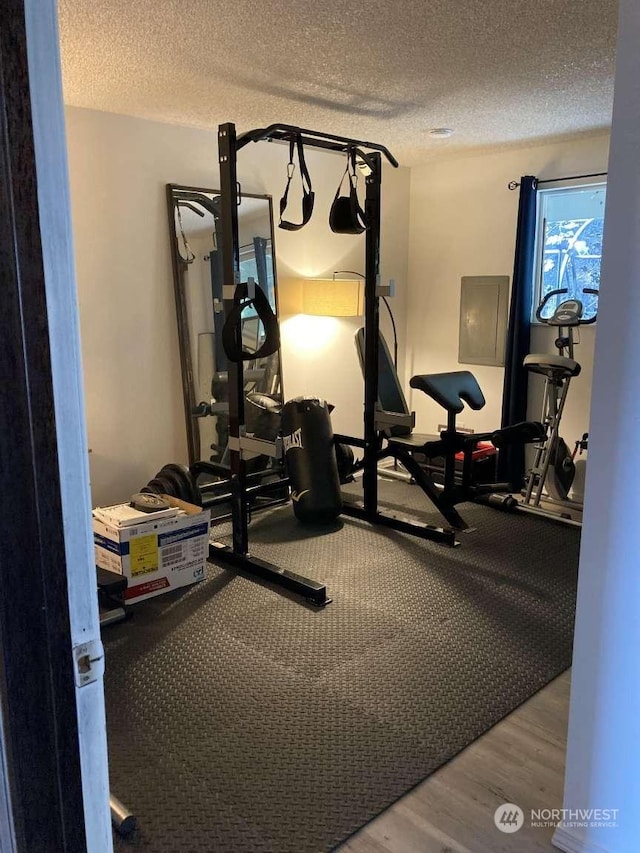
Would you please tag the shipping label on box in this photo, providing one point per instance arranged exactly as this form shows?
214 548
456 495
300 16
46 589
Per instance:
155 555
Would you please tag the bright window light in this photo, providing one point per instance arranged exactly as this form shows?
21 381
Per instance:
570 222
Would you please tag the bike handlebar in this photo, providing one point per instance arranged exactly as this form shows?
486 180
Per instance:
557 292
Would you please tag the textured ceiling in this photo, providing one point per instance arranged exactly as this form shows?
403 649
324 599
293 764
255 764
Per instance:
496 71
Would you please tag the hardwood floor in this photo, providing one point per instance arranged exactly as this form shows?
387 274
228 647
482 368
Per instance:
520 760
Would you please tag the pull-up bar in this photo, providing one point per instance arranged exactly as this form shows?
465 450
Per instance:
186 196
313 139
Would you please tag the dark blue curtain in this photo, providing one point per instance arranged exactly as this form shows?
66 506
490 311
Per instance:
511 467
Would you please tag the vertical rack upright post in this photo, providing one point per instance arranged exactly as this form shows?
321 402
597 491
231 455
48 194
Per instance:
371 334
227 158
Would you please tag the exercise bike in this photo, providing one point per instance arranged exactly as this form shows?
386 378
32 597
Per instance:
554 469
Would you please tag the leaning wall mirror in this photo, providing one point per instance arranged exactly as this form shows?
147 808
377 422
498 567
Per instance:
196 250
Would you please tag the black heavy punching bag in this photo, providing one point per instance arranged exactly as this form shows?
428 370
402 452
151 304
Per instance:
310 460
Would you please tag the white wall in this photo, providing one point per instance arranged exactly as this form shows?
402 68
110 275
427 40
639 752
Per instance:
603 748
463 222
118 169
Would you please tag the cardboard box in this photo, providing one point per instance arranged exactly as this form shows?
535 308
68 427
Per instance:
155 554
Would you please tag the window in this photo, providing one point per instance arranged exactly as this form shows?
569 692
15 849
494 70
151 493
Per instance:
252 328
249 268
569 246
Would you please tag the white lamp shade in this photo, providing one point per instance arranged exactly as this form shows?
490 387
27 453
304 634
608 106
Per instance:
327 297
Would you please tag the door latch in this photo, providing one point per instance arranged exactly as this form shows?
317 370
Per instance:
88 661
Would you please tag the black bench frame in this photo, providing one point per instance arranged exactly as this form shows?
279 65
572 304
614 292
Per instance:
451 391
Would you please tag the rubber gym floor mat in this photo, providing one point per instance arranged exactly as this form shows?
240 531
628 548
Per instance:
242 721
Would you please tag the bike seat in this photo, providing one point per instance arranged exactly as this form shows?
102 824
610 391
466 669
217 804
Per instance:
554 366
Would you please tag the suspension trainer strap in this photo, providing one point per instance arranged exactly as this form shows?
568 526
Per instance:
308 196
189 256
353 191
346 215
232 329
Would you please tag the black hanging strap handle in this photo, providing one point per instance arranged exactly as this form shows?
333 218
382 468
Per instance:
308 196
353 185
232 329
346 215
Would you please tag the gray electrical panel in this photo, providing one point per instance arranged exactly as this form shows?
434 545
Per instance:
484 309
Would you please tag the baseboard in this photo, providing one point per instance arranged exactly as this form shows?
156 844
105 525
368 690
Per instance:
572 842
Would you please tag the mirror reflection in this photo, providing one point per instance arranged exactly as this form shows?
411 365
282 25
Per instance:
194 217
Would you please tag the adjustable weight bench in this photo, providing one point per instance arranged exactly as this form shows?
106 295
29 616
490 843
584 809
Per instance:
451 391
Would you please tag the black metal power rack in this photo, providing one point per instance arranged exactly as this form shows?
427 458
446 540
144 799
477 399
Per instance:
375 420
